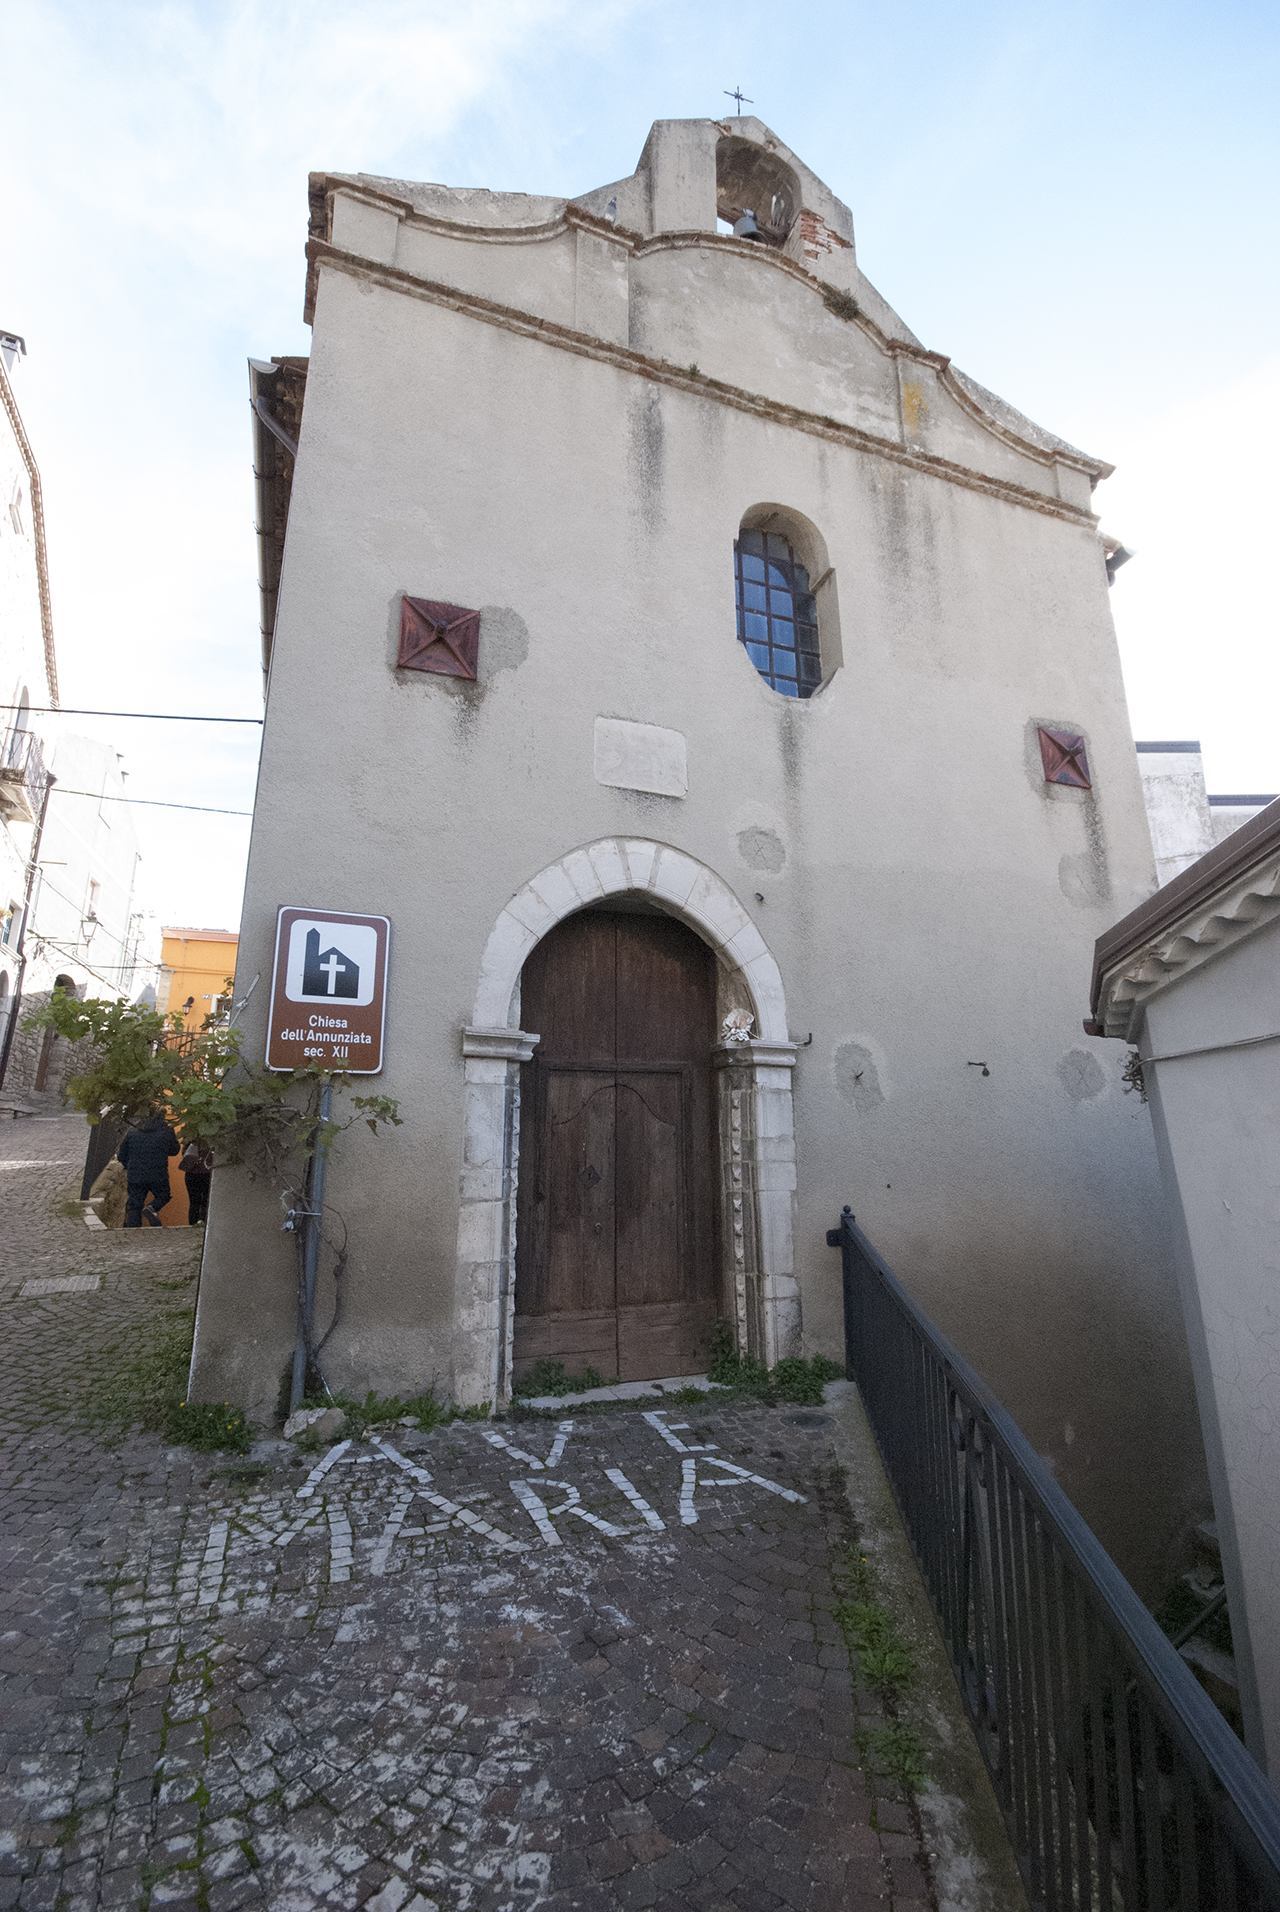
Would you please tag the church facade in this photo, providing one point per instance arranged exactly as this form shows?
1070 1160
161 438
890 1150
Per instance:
717 691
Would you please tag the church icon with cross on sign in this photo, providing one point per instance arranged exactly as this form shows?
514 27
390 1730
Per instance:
329 973
330 961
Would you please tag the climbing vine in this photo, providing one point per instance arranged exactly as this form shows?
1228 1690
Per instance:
1132 1076
267 1123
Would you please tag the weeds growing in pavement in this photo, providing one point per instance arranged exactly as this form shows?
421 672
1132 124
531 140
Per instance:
794 1379
147 1373
422 1412
884 1658
880 1657
548 1377
210 1427
895 1752
148 1388
738 1378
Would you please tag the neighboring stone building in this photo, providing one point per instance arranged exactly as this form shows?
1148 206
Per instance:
872 818
1192 977
1185 821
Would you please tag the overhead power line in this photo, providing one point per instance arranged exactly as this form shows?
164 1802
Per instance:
152 716
152 803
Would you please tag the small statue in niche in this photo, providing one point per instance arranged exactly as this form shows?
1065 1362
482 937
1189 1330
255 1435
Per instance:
737 1026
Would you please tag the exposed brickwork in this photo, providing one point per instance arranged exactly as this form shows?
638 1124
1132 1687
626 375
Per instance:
385 1686
818 238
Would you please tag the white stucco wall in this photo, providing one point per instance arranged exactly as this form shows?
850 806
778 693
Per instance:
1184 820
927 899
1217 1121
1228 814
89 839
1178 814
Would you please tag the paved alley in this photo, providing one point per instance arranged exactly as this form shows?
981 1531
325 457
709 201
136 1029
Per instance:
585 1663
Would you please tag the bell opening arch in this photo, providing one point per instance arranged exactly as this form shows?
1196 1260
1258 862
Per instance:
755 1134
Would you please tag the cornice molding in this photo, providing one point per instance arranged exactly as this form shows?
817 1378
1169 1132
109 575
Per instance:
320 254
499 1045
573 217
37 531
773 1055
569 218
760 1053
1185 941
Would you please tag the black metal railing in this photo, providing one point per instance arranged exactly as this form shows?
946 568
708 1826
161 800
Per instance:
1123 1787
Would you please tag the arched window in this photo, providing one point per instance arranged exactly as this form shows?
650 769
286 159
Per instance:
777 613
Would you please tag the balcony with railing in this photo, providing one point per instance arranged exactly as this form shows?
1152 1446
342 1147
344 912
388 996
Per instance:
23 777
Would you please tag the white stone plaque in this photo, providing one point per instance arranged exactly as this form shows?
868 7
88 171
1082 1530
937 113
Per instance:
641 757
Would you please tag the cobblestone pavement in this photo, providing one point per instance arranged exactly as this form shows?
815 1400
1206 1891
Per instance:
586 1664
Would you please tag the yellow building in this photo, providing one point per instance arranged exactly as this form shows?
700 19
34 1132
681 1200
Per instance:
198 962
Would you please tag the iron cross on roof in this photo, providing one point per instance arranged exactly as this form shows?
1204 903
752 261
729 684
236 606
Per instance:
741 98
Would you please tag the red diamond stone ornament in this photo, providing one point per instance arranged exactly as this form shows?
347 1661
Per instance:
443 638
1063 755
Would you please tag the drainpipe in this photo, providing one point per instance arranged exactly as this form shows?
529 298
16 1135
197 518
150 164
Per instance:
313 1217
32 865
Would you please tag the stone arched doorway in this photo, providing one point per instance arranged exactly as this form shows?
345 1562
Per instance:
753 1145
616 1213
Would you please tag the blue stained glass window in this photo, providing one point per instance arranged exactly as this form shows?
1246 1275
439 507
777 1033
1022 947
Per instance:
780 630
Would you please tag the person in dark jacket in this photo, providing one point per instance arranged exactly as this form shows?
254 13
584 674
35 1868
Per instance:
145 1153
197 1166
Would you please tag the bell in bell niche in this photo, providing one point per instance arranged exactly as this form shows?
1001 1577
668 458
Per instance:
747 228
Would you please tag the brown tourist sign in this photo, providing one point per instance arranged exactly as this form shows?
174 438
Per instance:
328 991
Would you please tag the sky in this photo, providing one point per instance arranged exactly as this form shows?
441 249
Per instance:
1076 203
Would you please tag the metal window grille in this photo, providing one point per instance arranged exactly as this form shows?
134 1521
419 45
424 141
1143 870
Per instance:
777 614
1123 1787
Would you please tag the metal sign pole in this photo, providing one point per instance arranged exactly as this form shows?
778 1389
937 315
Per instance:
310 1260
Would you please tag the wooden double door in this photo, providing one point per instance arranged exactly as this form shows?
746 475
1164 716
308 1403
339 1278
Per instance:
615 1216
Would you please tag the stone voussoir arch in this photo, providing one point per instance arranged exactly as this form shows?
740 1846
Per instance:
613 866
756 1129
